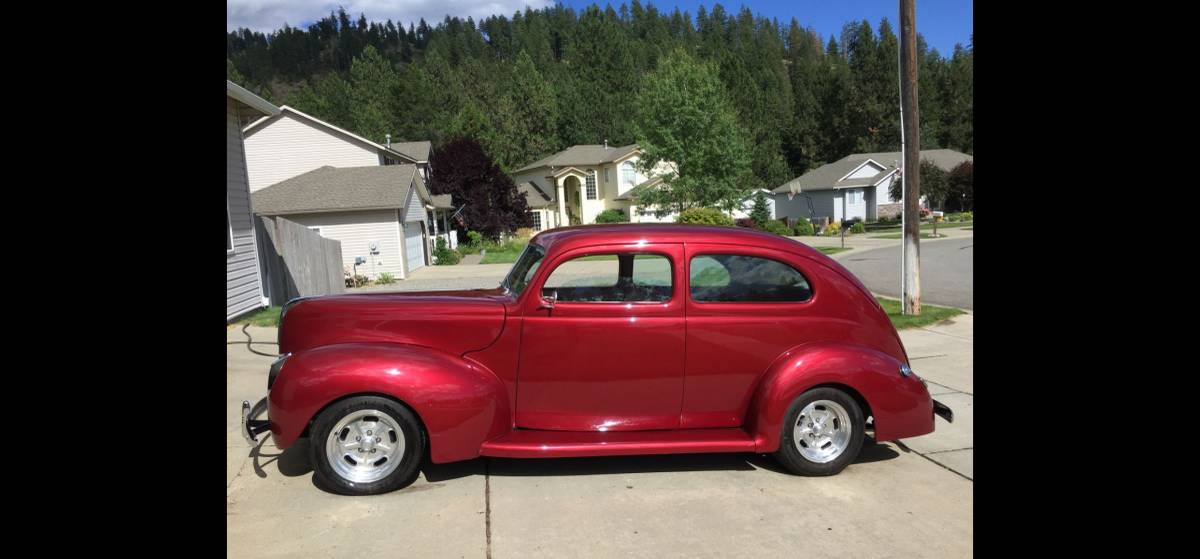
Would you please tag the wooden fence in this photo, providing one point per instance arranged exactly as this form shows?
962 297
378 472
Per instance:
296 261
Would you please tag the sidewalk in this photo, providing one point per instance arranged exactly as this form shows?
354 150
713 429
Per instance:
862 242
942 355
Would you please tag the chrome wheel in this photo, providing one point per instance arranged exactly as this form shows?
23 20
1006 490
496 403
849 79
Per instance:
365 446
822 431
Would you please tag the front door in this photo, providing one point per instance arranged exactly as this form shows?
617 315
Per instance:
609 355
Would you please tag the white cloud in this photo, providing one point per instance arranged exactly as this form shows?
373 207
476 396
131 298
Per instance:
268 15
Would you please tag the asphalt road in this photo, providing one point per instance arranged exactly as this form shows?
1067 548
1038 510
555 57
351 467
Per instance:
947 271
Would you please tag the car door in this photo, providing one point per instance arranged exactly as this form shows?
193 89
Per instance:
745 306
609 355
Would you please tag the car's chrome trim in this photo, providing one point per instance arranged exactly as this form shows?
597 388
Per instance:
251 427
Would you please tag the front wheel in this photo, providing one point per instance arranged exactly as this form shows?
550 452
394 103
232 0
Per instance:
822 433
366 445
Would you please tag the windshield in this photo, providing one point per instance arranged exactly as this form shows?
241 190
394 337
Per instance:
518 278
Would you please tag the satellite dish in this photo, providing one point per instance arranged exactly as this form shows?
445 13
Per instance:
374 247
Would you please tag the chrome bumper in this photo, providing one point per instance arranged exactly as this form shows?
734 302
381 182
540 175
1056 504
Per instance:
944 411
251 427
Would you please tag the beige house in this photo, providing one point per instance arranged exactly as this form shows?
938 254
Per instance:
573 186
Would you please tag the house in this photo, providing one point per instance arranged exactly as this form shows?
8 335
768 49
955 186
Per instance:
378 213
748 204
855 186
292 143
573 186
243 279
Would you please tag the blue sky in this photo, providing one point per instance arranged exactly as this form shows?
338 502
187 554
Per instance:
942 22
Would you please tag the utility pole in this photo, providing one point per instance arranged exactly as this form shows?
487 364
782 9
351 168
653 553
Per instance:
910 124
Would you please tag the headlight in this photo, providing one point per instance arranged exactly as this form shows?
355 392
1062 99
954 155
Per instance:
275 368
906 371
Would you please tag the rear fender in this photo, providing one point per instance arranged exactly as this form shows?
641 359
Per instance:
900 405
460 403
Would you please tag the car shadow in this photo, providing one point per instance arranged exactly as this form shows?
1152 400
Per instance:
294 461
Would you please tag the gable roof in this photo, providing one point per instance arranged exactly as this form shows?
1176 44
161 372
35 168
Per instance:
586 154
334 189
832 176
442 201
535 197
417 151
249 100
256 125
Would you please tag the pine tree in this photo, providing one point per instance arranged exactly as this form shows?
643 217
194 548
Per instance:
372 83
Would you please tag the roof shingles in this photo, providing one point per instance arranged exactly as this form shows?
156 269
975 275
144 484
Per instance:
830 176
330 189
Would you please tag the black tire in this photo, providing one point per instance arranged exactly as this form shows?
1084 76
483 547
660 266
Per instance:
402 476
790 456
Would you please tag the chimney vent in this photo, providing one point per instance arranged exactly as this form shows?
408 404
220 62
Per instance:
606 143
387 140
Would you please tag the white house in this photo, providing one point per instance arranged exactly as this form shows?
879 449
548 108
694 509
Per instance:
243 278
291 143
573 186
378 213
855 186
748 204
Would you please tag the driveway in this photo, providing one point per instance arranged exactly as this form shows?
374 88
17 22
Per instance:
947 270
907 499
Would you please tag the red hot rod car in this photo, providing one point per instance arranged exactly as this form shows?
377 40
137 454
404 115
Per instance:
602 340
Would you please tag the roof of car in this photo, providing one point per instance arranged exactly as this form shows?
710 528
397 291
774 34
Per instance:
583 235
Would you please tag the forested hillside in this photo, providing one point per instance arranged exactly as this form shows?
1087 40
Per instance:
542 80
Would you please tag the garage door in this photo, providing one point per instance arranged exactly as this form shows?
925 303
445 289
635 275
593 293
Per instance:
414 245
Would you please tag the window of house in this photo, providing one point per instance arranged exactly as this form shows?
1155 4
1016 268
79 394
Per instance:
591 185
606 179
537 220
612 278
628 173
735 278
228 228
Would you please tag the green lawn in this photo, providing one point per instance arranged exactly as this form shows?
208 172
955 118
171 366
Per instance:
929 314
264 317
504 254
832 250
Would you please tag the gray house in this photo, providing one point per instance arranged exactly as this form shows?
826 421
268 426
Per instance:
854 186
243 278
377 212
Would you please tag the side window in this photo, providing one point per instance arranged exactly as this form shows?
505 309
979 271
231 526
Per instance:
612 278
735 278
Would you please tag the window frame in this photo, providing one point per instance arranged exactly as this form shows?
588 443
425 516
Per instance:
632 179
635 251
589 186
537 219
733 250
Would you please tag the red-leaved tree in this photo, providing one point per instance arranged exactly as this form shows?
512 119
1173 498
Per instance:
464 170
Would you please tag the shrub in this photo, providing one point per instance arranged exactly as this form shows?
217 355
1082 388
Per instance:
612 216
832 229
443 256
385 278
476 238
778 228
803 227
858 228
704 216
747 222
968 216
524 232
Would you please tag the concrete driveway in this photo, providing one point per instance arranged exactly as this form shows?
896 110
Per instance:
907 499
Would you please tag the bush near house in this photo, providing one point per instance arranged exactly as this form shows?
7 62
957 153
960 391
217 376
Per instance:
385 278
832 229
443 256
704 216
778 228
745 222
858 228
803 227
612 216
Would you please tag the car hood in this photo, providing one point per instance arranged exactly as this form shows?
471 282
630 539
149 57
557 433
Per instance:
451 321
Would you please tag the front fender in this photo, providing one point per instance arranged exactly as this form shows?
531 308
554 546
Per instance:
901 405
461 403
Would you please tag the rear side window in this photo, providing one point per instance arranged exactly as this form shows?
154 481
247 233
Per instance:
736 278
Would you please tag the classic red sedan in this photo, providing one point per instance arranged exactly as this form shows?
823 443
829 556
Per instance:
602 340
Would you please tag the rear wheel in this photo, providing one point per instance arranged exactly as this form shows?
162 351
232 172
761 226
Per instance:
822 433
366 445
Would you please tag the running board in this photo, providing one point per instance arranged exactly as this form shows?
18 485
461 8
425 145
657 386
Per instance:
525 443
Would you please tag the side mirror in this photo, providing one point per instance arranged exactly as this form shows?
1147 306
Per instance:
548 301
